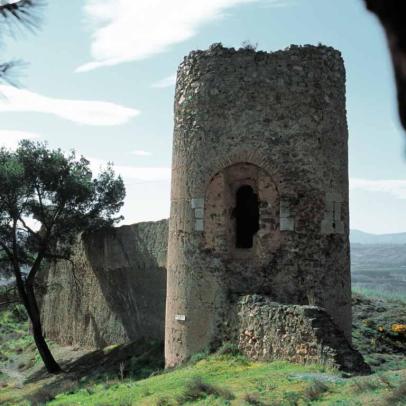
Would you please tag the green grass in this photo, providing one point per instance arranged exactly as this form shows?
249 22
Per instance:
232 380
14 332
223 380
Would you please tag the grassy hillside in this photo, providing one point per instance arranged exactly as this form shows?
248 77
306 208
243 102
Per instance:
132 374
232 380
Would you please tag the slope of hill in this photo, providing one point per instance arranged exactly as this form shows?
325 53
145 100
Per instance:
380 268
378 256
116 375
361 237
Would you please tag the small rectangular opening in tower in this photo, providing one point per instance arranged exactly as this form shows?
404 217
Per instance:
246 214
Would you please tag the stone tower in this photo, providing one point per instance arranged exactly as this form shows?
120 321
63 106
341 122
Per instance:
259 200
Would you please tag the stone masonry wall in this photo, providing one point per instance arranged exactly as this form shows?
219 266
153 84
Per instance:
116 291
265 330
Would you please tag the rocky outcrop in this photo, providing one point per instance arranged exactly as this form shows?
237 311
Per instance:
113 291
265 330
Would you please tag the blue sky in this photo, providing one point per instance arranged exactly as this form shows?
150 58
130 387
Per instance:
100 80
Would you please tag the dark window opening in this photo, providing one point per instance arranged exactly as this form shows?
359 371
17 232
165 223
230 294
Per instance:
246 214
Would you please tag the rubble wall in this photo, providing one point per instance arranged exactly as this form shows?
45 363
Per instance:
266 331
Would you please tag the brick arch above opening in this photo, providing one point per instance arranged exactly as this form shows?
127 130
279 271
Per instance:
256 158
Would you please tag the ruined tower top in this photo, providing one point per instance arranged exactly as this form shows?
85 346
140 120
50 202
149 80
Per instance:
259 200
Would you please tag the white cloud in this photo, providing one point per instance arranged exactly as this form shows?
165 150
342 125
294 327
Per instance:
128 172
11 138
166 82
141 152
279 3
127 30
78 111
396 188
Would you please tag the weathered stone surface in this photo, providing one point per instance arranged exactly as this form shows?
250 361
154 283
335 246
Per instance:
116 291
265 330
275 122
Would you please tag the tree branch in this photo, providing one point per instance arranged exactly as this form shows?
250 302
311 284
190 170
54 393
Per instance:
7 250
34 269
10 302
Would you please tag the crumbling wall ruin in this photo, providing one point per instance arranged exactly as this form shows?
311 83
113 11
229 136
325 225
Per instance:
264 330
112 292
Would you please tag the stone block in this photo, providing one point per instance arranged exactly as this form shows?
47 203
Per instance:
287 224
199 225
198 203
199 213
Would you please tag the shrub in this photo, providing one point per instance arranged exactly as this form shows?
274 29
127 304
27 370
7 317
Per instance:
292 398
198 389
364 384
248 45
229 349
385 380
19 313
41 397
163 402
195 358
399 328
315 390
397 396
253 399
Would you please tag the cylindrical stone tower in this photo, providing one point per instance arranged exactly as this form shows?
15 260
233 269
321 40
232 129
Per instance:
259 200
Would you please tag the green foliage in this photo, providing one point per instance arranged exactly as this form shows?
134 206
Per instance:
14 333
292 398
199 356
212 381
315 390
58 192
144 382
398 395
229 349
364 384
196 389
253 399
220 381
372 333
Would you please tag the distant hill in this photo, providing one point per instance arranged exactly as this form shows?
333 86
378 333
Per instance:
378 256
378 262
360 237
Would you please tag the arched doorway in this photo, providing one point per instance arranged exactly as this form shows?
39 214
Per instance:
241 213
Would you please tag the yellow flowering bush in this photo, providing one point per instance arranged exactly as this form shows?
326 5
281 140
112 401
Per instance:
399 328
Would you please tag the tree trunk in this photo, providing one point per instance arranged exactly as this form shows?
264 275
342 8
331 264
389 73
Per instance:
46 355
28 298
